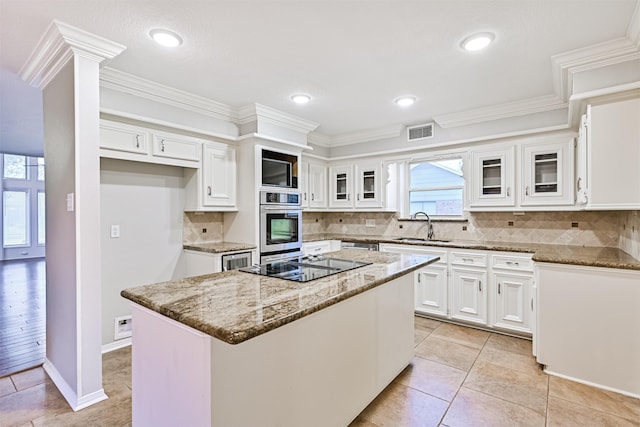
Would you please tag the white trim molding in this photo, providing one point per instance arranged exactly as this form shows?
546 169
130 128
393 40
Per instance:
366 135
501 111
116 345
262 113
147 89
58 45
67 391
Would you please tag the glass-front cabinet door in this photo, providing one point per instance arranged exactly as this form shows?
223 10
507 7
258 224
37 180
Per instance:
492 177
548 173
368 191
341 180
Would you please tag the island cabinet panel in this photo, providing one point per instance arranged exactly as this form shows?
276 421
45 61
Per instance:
320 370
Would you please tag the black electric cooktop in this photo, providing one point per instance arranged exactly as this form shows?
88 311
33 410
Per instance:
304 269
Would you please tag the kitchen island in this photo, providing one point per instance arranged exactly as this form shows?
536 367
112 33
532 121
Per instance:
238 349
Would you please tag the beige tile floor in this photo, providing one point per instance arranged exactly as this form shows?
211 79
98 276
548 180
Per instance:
459 377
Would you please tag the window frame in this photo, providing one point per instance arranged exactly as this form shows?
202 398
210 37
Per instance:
406 205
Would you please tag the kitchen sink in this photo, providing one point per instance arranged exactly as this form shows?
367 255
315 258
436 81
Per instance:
420 240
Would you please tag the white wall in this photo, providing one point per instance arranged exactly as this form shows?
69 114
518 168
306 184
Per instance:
147 202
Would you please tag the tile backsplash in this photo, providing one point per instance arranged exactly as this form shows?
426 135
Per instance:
199 227
629 229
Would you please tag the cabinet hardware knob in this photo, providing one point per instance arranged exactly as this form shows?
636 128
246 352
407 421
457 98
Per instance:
208 190
499 288
358 197
526 191
137 141
531 304
579 184
419 277
313 197
162 145
348 196
480 285
508 191
305 196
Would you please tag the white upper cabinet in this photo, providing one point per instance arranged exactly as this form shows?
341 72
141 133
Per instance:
313 184
356 186
218 175
547 173
492 177
613 155
581 178
122 137
175 147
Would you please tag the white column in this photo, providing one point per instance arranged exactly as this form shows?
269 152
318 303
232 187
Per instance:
65 65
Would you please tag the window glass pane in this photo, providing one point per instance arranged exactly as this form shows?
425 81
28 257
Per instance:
41 221
15 167
40 169
435 187
436 202
15 218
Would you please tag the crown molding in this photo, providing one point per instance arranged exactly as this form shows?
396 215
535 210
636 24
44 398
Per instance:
320 139
565 65
633 31
501 111
147 89
262 113
59 43
366 135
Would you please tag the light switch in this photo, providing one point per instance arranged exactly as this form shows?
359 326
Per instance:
115 231
70 202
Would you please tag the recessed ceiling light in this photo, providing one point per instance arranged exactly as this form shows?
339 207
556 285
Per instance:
300 98
477 41
405 101
165 38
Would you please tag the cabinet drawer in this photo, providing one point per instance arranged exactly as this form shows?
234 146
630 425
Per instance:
510 262
175 148
469 259
413 249
316 248
122 137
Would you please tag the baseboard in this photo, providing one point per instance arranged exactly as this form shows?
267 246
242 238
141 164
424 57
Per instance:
116 345
67 391
589 383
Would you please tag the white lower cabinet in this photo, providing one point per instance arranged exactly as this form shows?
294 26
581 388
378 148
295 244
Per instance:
481 288
320 247
469 295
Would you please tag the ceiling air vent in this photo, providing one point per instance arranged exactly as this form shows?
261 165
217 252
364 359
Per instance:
420 132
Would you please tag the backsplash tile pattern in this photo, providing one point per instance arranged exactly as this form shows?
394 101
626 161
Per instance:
195 222
629 230
594 228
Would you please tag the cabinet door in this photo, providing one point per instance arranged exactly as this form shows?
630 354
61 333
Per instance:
431 290
547 174
341 189
492 178
581 164
368 185
218 175
123 137
317 185
175 147
303 183
316 248
469 295
513 301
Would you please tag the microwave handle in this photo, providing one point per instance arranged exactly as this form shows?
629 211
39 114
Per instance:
281 208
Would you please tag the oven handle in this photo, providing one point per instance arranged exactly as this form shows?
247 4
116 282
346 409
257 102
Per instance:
282 209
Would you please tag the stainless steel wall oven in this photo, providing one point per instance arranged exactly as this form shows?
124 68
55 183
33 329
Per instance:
280 224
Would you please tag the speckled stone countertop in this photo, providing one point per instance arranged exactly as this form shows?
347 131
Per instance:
234 306
218 247
558 254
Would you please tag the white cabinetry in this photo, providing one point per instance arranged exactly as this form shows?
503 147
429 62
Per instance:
483 288
197 263
612 155
320 247
313 185
492 177
469 287
356 186
547 173
130 142
213 187
513 287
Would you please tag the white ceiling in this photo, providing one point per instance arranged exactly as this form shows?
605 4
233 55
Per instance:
352 57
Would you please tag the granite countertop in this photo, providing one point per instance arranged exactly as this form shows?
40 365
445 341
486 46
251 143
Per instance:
234 306
218 247
558 254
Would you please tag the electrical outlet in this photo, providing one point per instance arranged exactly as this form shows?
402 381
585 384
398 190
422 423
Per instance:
122 327
370 223
204 230
115 231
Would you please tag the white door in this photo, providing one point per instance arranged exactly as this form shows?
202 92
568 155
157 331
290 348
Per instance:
368 185
513 301
23 207
492 179
317 181
341 189
469 295
431 290
219 175
548 174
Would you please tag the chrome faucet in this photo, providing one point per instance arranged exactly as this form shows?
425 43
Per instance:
429 227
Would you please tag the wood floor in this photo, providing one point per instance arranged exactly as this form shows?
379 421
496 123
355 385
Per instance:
22 315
